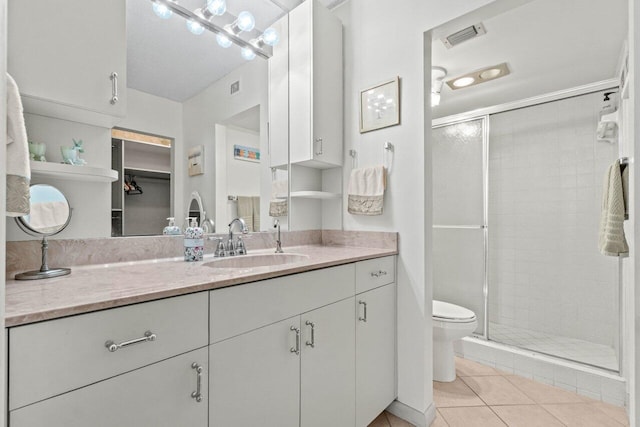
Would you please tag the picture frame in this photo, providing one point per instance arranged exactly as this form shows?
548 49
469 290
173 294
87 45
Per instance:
247 154
195 158
380 106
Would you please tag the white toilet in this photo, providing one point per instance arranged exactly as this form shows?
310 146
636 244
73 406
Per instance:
450 322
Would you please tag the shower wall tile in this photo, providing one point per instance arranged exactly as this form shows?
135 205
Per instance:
545 173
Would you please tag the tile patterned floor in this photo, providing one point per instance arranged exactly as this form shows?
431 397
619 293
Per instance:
482 396
568 348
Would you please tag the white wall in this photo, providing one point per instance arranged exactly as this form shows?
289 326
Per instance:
214 106
383 40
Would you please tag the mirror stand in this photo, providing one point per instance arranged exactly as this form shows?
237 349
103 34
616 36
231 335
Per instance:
45 272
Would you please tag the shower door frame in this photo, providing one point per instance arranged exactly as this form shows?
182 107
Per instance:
484 114
485 214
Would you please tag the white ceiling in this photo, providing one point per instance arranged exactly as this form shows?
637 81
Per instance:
549 45
165 59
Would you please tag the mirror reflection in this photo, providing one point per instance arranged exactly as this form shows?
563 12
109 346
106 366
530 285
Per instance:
50 212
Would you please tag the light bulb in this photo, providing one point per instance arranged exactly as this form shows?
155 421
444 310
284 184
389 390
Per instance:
195 27
435 99
162 11
246 21
217 7
247 53
270 36
223 40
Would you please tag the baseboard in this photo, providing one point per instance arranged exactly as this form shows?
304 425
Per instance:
409 414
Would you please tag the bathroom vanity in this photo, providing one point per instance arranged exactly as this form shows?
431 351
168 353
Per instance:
309 343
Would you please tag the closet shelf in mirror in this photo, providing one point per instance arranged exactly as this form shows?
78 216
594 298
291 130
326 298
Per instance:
147 173
72 172
314 195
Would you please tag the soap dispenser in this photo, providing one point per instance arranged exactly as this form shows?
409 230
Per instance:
172 229
193 241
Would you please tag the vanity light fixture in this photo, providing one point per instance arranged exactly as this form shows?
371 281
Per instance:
479 76
437 80
229 29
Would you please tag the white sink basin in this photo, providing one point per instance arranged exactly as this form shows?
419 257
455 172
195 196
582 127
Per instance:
257 260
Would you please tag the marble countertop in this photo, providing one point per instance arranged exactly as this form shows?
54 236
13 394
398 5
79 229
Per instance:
97 287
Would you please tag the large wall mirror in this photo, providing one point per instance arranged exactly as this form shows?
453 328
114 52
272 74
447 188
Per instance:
179 87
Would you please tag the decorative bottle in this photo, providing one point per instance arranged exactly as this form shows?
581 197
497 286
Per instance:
172 229
193 241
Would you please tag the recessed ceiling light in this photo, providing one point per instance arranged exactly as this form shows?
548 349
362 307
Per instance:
491 73
479 76
463 81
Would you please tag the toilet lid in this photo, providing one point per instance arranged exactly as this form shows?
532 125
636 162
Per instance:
444 310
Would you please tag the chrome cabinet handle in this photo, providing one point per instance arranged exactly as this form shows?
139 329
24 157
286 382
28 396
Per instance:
319 143
378 273
114 87
296 349
197 395
363 318
311 343
112 346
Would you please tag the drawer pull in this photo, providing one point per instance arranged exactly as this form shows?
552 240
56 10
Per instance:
378 273
363 318
311 343
148 336
197 395
296 349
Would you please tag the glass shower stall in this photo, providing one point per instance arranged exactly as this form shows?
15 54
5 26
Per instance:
517 201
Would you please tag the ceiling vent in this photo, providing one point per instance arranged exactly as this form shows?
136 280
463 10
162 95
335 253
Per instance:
463 35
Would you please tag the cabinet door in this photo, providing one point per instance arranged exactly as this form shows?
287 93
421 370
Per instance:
279 97
64 53
375 352
328 366
156 395
255 378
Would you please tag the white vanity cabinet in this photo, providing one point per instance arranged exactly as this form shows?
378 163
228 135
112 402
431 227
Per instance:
125 357
375 337
63 56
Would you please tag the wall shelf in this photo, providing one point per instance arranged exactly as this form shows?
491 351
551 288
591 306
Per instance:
147 173
71 172
315 195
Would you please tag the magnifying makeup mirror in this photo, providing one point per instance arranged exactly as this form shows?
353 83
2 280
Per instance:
50 214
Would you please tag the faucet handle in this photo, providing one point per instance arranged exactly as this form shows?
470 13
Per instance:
219 246
241 249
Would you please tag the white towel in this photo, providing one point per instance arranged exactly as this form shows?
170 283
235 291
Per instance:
612 241
245 211
278 204
18 168
366 191
256 212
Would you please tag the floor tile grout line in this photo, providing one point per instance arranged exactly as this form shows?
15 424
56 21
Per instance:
499 417
442 417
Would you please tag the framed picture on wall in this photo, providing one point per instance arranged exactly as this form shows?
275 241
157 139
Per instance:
380 106
196 160
249 154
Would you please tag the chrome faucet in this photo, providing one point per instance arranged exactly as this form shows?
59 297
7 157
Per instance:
278 241
231 248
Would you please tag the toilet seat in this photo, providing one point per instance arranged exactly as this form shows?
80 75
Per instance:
446 312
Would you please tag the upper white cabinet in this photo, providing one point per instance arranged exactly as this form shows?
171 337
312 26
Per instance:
315 104
65 55
279 97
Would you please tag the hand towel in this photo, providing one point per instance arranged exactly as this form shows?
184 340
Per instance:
278 204
612 241
256 212
366 191
18 168
245 211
